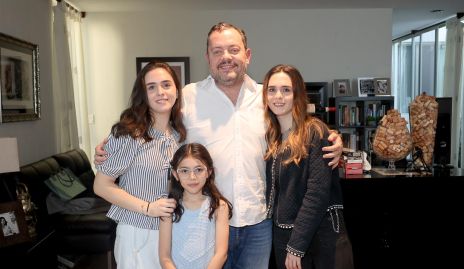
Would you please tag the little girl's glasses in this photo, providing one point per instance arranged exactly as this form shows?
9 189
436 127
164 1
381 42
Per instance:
197 171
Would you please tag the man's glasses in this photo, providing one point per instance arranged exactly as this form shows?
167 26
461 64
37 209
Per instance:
197 171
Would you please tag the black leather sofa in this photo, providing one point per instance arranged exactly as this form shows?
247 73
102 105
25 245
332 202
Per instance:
89 233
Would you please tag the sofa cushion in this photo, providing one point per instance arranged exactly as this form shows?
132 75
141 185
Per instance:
76 160
90 223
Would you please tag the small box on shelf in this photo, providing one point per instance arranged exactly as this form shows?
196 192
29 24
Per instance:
353 168
353 162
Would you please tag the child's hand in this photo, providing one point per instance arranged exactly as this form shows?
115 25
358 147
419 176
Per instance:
163 207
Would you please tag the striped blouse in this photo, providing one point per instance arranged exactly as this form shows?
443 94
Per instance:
143 171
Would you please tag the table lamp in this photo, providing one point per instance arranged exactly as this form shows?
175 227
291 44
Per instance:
9 160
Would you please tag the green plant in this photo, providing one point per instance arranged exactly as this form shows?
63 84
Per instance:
371 120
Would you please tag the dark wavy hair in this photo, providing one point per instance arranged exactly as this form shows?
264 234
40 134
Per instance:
176 191
137 119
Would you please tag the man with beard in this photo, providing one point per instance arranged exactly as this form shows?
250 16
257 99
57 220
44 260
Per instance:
225 113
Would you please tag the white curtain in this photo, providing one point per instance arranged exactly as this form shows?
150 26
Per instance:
453 86
68 80
460 116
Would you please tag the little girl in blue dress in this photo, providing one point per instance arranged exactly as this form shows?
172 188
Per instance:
197 235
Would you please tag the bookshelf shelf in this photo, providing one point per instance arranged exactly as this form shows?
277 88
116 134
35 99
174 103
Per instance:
357 118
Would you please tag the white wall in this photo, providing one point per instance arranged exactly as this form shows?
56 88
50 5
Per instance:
324 44
29 20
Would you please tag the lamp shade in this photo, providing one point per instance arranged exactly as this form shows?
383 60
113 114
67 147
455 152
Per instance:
9 160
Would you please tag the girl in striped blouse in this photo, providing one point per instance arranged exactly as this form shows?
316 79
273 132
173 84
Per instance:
139 149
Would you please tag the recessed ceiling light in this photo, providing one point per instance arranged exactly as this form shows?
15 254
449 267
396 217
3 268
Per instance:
436 11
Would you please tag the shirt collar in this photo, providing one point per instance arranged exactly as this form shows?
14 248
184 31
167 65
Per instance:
158 134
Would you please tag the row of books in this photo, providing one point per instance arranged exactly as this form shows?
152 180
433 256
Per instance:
351 141
376 111
351 115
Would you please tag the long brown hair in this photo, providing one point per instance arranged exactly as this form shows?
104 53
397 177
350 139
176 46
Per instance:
176 191
137 119
298 139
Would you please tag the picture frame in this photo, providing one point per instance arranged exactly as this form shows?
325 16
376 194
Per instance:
181 66
19 80
341 87
382 86
366 87
13 226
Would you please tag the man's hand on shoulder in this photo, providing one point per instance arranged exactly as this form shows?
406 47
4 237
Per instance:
334 151
100 154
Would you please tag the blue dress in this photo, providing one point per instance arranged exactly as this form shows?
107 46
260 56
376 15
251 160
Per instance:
193 238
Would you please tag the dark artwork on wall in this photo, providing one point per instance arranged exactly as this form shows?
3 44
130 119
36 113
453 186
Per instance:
180 65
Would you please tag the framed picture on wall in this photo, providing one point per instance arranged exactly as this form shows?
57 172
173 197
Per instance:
181 66
382 86
19 80
341 87
366 87
13 224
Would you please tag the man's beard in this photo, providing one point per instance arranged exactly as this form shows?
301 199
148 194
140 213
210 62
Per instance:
228 79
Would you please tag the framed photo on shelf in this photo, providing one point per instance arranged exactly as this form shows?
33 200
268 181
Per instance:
19 80
181 66
382 86
13 224
341 87
366 87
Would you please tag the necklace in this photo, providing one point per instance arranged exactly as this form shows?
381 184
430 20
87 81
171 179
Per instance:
285 134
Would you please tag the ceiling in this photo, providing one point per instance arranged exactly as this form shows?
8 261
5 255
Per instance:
407 14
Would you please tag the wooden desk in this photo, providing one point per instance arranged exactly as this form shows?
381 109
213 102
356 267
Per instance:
405 221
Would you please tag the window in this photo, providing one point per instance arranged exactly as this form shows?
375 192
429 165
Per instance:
402 74
418 66
441 46
427 63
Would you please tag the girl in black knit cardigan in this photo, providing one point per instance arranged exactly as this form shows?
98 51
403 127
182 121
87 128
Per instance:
303 192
